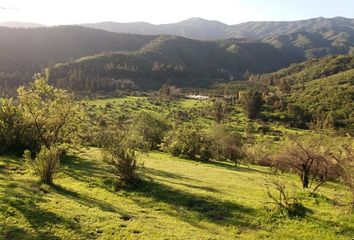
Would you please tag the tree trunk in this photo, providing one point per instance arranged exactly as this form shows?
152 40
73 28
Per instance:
305 180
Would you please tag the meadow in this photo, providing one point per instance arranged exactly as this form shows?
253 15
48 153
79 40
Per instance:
175 198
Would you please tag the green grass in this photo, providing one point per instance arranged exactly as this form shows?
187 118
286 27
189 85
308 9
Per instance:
177 199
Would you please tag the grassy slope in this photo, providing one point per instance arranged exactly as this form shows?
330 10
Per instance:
178 199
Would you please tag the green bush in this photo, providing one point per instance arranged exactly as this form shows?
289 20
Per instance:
188 141
45 164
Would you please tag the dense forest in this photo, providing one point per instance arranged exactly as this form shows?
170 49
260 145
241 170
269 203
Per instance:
173 60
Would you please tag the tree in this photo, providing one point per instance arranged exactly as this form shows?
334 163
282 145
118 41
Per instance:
52 114
226 144
14 135
218 110
148 127
187 140
306 160
284 86
252 104
297 116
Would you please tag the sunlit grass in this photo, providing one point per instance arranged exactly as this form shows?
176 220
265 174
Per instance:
177 199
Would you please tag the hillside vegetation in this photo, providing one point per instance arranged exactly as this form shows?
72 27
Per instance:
173 60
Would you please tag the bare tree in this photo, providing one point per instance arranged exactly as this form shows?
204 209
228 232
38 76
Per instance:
309 163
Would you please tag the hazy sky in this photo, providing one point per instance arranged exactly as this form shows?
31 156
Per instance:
54 12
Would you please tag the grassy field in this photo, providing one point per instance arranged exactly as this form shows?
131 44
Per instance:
177 199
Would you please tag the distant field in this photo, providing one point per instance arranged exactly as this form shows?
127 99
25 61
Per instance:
178 199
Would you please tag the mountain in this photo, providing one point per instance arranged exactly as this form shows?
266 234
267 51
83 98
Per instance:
25 51
203 29
25 48
21 25
195 28
307 38
170 59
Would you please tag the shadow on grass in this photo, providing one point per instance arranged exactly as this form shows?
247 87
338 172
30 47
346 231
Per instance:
345 229
205 188
24 198
84 200
85 170
192 207
10 232
161 173
230 166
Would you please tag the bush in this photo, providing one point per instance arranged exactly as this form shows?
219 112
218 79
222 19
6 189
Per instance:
226 144
188 141
14 135
150 128
286 203
121 159
45 164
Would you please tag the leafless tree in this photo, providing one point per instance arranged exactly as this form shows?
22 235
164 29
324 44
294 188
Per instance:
309 163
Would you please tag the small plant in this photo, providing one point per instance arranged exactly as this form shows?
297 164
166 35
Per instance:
286 203
45 164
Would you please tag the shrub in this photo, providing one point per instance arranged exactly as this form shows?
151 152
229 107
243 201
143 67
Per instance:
226 144
188 141
285 202
45 164
14 135
150 128
120 159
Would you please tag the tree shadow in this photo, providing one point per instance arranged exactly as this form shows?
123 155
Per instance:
205 188
84 170
84 200
161 173
187 206
24 198
10 232
230 166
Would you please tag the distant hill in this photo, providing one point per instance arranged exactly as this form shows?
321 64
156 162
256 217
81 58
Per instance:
25 51
21 25
323 87
307 38
169 59
196 28
24 48
202 29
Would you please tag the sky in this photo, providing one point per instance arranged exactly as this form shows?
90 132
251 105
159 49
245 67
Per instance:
58 12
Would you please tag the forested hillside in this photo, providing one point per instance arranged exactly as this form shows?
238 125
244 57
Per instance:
173 60
24 52
322 89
